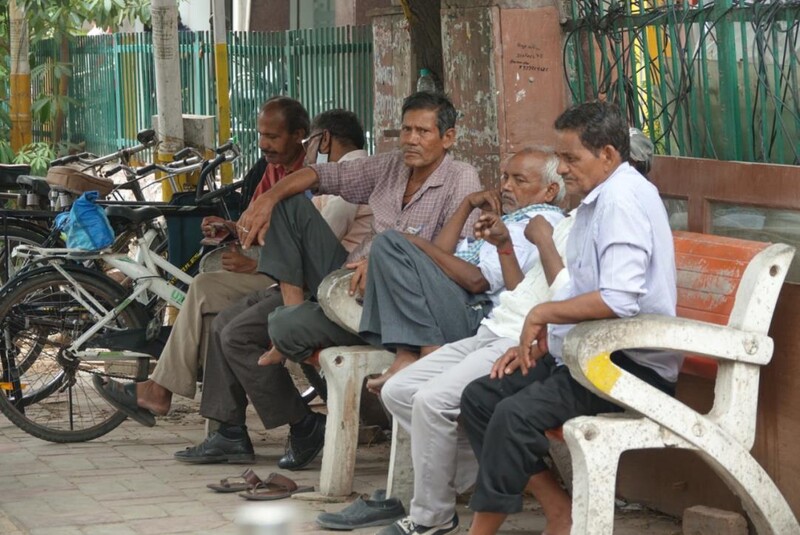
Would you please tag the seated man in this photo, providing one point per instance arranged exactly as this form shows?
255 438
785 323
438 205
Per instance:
282 124
418 188
621 263
239 333
420 295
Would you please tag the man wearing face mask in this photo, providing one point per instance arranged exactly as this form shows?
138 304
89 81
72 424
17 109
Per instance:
239 334
336 134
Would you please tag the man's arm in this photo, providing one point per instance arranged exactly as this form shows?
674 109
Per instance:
448 237
255 220
540 233
460 271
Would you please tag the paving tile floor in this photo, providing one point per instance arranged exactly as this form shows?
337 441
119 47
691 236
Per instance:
128 483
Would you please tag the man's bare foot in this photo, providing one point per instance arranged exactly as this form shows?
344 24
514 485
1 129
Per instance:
402 360
153 397
557 527
273 356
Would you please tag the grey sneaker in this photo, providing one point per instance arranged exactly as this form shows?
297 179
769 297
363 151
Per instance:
364 512
406 526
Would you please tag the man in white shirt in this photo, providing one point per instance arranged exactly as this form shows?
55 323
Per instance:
620 259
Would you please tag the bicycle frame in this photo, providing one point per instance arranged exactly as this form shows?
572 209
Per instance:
142 270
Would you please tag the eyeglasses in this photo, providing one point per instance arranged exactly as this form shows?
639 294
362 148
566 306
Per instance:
307 141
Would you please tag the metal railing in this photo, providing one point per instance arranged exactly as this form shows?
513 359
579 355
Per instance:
712 79
112 87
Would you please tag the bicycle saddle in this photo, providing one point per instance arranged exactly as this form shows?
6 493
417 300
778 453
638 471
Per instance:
34 184
10 172
136 216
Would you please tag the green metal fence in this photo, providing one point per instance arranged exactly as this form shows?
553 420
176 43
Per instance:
113 81
713 79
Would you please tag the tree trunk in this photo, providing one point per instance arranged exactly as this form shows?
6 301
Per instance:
425 23
63 89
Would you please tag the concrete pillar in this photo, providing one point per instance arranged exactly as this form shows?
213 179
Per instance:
504 72
394 77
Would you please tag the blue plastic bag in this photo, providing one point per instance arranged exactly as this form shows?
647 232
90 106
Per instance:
86 225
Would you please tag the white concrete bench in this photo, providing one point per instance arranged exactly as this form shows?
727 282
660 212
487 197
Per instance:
345 369
727 290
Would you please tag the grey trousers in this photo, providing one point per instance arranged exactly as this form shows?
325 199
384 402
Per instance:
425 399
232 375
297 331
302 248
410 302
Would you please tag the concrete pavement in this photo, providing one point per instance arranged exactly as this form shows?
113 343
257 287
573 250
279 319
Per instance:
128 483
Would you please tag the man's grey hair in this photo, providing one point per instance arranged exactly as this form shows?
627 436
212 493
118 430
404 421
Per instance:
549 170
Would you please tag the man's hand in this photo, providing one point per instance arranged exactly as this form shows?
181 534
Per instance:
538 230
507 364
359 280
214 226
532 340
487 200
233 260
490 227
253 224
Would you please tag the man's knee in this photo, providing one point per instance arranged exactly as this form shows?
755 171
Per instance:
473 397
436 399
396 395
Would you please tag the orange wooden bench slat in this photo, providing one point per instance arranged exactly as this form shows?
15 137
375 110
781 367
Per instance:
702 315
695 266
716 246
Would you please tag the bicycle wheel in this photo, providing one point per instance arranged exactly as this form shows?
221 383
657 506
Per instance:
17 235
47 389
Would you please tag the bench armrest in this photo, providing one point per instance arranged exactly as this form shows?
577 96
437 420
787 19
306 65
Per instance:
588 348
589 339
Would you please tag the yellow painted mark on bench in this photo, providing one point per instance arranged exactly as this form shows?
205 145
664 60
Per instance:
602 372
8 386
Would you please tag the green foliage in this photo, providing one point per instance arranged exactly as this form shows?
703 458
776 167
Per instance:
38 155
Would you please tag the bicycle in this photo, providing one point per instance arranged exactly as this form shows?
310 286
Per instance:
29 224
64 325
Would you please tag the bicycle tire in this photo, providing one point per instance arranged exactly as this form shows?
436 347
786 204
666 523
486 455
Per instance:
61 404
17 235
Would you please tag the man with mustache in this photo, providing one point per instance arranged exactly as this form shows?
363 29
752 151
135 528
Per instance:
282 124
621 263
424 294
414 190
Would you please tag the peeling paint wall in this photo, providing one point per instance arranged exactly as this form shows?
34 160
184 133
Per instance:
393 74
469 47
504 71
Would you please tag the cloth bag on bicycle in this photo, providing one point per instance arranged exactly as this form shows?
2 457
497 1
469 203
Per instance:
86 224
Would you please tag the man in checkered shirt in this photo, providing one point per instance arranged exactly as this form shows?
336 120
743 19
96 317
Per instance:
414 190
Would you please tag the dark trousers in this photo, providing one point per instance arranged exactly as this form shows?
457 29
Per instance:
300 248
239 336
297 331
505 420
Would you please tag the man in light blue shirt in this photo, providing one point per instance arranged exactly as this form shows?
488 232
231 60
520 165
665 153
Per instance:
620 259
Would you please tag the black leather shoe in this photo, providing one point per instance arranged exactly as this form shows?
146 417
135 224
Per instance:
219 449
303 450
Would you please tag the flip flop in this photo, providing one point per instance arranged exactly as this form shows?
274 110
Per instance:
248 479
123 398
275 487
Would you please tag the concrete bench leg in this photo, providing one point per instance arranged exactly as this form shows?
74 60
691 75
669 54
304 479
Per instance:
345 369
400 483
